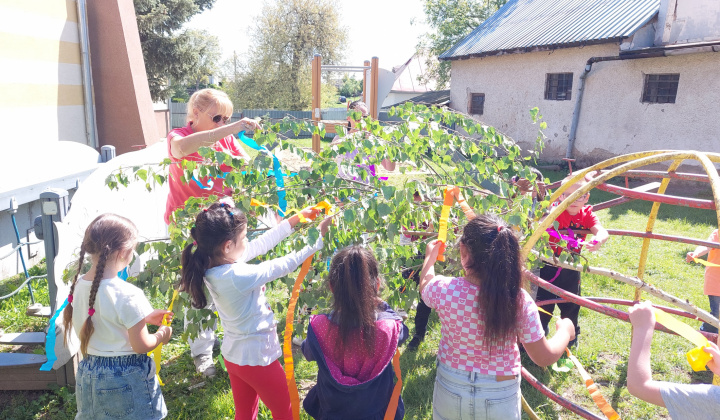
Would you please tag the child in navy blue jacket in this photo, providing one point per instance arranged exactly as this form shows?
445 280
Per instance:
354 344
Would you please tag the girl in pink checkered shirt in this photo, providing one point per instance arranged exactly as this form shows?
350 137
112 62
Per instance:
482 316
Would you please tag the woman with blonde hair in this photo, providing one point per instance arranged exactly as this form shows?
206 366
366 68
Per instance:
208 114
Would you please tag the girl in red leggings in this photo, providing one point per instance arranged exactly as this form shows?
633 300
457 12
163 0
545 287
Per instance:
217 257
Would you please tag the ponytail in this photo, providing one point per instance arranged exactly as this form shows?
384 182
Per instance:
215 225
194 265
354 282
495 253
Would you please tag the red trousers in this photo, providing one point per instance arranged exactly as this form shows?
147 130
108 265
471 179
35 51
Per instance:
267 383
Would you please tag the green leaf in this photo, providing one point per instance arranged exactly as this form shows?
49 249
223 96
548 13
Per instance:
383 209
313 235
388 192
349 215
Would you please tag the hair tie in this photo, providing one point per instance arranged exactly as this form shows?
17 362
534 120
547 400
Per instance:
91 311
70 298
222 204
500 227
204 210
194 243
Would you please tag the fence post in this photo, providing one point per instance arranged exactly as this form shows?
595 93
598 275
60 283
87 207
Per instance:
107 153
55 204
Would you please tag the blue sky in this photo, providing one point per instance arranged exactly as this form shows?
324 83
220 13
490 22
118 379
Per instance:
385 26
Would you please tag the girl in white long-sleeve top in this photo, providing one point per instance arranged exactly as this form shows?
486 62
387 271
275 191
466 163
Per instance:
218 258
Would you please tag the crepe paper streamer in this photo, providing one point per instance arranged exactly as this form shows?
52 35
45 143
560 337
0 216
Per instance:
696 357
444 216
323 205
156 353
287 340
50 336
546 312
705 263
395 397
571 241
279 176
593 390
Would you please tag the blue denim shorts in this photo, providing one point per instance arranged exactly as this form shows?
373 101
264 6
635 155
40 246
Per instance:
464 395
120 387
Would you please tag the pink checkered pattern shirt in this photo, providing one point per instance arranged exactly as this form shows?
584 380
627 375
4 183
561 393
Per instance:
462 328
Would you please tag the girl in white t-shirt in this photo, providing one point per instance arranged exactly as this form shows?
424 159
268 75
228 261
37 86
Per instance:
116 378
217 258
482 317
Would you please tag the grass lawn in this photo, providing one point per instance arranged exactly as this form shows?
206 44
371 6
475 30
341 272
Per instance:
603 349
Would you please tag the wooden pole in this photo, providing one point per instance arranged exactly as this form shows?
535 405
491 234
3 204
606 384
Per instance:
316 97
374 68
366 63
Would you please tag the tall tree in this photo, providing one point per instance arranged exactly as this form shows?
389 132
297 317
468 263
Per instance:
286 37
451 21
167 52
207 48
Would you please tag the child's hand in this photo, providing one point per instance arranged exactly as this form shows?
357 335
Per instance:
309 212
156 317
433 249
642 315
690 256
713 364
325 225
567 325
165 334
594 245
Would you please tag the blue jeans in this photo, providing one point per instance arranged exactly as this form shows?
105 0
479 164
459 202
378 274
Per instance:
463 395
121 387
714 311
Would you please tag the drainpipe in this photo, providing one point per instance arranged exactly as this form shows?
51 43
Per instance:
651 52
90 124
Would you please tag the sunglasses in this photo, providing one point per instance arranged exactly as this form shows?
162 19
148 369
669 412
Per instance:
216 119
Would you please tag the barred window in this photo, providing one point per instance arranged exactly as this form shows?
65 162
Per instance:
477 103
558 86
660 88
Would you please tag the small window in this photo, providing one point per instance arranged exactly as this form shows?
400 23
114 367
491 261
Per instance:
558 86
660 88
477 103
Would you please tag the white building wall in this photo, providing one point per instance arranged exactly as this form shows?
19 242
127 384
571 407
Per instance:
613 120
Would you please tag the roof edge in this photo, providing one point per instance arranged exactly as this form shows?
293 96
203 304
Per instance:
523 50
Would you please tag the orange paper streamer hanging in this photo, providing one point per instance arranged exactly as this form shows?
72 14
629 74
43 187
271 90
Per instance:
290 329
444 216
287 340
395 397
593 390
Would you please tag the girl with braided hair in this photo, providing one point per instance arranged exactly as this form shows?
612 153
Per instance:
482 317
116 378
217 258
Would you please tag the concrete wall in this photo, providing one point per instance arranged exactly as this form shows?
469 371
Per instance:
684 21
613 120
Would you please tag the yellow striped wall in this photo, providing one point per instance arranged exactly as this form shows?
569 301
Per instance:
41 92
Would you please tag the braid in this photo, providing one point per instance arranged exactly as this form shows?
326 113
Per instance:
88 329
68 312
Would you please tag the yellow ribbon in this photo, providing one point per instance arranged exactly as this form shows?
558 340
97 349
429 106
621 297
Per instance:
593 390
444 216
705 263
696 357
546 312
156 353
323 205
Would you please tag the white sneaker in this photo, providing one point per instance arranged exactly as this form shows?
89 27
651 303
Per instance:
204 365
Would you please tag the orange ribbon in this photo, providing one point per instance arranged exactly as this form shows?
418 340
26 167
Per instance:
593 390
444 216
395 397
287 340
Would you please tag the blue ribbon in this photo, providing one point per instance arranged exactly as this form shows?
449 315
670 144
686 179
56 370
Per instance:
51 336
279 176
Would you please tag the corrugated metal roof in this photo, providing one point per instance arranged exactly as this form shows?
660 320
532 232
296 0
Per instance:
526 24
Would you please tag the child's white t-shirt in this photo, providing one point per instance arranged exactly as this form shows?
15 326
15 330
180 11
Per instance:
118 307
